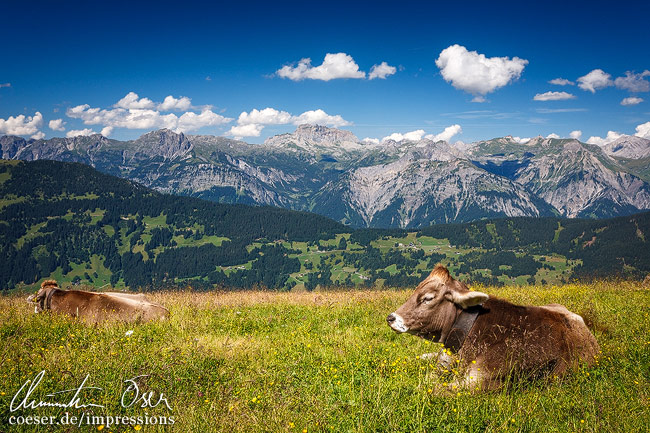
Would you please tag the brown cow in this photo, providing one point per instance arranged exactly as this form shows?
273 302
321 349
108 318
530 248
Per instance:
492 337
96 307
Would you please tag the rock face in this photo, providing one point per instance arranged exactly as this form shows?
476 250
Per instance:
628 146
392 184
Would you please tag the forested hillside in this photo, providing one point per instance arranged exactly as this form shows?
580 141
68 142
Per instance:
58 217
70 222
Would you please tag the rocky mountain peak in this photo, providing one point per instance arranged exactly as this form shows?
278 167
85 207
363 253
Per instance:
323 134
165 143
628 146
317 139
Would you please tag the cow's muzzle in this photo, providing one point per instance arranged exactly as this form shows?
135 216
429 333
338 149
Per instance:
396 322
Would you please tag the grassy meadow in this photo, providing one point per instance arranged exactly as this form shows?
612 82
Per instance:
321 362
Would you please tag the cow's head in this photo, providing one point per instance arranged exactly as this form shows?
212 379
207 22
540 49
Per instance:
40 297
434 306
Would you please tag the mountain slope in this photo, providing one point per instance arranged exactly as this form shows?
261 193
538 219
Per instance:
391 184
57 217
69 222
577 179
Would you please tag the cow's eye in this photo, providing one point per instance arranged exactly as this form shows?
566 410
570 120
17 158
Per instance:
426 299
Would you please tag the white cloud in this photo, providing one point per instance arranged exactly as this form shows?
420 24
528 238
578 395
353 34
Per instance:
267 116
133 101
410 136
446 135
611 136
57 125
339 65
191 121
39 135
633 82
575 134
521 140
5 85
369 140
146 118
552 135
249 130
643 130
381 71
78 132
594 80
106 131
21 124
319 117
561 82
251 124
632 100
476 74
419 134
553 96
170 103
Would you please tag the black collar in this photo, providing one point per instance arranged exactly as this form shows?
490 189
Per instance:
48 299
461 327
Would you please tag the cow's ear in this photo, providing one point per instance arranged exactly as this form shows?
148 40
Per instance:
467 299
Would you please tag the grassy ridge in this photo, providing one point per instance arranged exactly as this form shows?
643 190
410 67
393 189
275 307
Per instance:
325 361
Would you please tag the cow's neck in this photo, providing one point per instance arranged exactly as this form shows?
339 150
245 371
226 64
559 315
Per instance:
454 337
48 299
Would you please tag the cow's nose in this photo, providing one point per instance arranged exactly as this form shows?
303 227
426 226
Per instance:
391 318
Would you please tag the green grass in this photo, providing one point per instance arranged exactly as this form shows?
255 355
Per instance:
324 362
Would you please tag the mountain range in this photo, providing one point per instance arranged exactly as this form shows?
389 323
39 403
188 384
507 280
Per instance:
388 184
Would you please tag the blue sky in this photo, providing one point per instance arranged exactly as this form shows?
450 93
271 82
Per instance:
72 63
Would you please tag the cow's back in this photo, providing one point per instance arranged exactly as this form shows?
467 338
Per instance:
99 307
535 340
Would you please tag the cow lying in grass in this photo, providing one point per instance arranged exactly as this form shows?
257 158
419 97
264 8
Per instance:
96 307
492 337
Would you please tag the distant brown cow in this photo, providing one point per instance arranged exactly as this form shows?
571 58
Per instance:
96 307
493 337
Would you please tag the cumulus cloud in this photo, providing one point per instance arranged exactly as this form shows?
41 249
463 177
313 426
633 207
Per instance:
611 136
561 82
251 124
57 125
339 65
381 71
170 103
267 116
643 130
319 117
80 132
133 102
594 80
475 73
106 131
146 118
39 135
369 140
446 135
553 96
633 82
632 100
409 136
521 140
248 130
21 124
575 134
419 134
552 135
191 121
